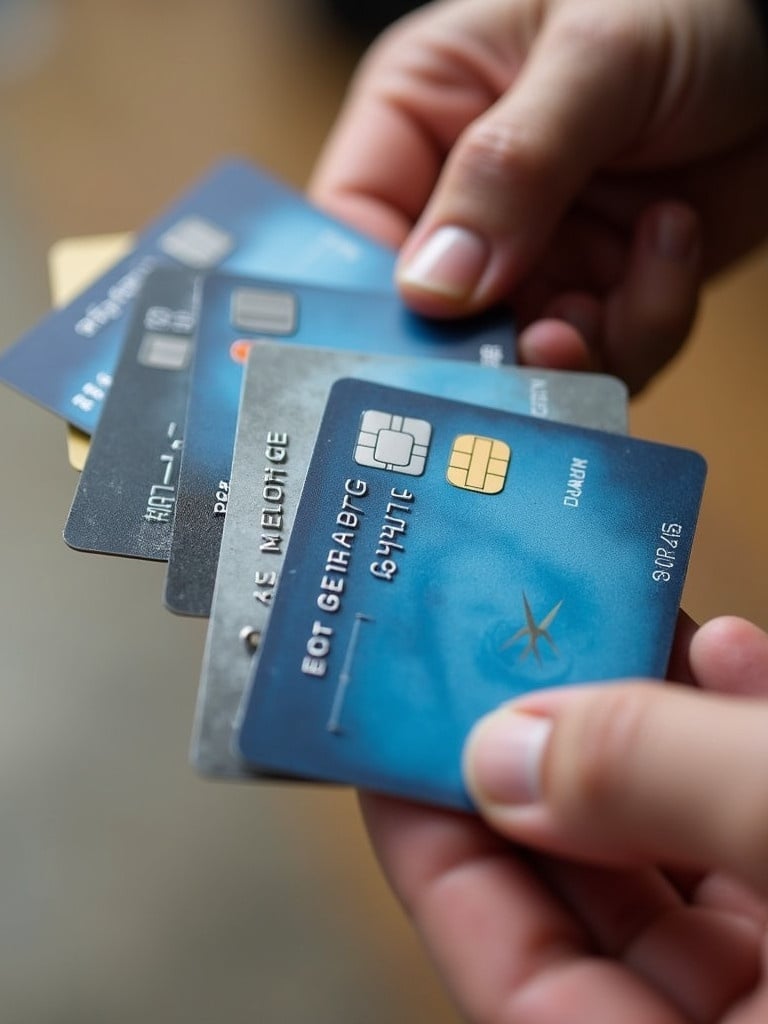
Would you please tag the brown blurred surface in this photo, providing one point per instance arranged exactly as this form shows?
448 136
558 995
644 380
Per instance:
129 889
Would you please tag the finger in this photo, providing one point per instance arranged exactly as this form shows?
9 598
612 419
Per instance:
730 655
566 337
505 947
679 667
720 892
644 319
586 259
582 312
516 169
614 905
650 314
633 773
358 181
553 344
702 959
450 872
424 80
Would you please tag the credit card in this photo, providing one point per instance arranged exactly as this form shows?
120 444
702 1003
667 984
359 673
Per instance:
73 264
236 217
238 310
446 558
283 397
125 500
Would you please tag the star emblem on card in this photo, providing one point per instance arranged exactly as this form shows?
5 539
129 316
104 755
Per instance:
535 631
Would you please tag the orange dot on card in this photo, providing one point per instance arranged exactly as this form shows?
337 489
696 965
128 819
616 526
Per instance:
239 350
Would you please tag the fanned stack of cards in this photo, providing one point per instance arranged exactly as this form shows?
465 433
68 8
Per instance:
392 528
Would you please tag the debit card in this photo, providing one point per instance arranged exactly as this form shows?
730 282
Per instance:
446 558
236 217
126 497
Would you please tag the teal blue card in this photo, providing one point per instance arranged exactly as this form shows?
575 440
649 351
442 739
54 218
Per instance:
446 558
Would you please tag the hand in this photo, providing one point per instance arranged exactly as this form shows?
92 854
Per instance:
589 160
661 794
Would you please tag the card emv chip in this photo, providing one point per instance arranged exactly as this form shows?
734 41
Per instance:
478 463
264 310
398 443
164 351
197 243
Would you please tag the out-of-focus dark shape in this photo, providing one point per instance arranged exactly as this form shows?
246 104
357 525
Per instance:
366 19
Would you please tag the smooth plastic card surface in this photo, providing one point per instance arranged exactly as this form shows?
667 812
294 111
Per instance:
446 558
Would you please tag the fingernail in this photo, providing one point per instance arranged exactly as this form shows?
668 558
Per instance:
450 262
503 756
676 235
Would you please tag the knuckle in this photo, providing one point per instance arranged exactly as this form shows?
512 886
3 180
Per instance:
404 40
500 155
616 30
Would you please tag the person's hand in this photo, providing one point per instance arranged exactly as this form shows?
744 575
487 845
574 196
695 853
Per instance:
589 160
653 800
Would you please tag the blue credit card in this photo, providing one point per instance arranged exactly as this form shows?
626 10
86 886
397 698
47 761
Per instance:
446 558
235 311
237 218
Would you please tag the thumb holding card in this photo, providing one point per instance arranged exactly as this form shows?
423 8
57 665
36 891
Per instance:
639 772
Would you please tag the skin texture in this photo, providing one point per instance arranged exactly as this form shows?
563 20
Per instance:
604 157
593 163
645 910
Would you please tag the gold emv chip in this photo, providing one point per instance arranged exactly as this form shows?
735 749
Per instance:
478 463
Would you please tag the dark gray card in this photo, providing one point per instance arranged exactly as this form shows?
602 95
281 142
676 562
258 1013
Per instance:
125 500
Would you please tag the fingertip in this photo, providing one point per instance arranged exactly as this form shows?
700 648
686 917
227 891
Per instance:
555 345
679 668
582 311
438 274
502 759
729 654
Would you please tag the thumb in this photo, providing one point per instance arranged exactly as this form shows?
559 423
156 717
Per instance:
629 773
584 92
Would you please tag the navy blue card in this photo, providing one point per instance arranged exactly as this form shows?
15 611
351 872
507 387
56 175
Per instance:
446 558
125 500
237 218
237 311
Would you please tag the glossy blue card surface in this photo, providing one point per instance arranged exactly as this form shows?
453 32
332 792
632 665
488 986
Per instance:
236 218
446 558
235 311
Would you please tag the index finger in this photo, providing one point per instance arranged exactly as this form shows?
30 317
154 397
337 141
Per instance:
423 82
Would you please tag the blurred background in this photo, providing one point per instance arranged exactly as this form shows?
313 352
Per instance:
129 888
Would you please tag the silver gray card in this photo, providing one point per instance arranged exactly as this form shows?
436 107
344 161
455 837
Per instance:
285 388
